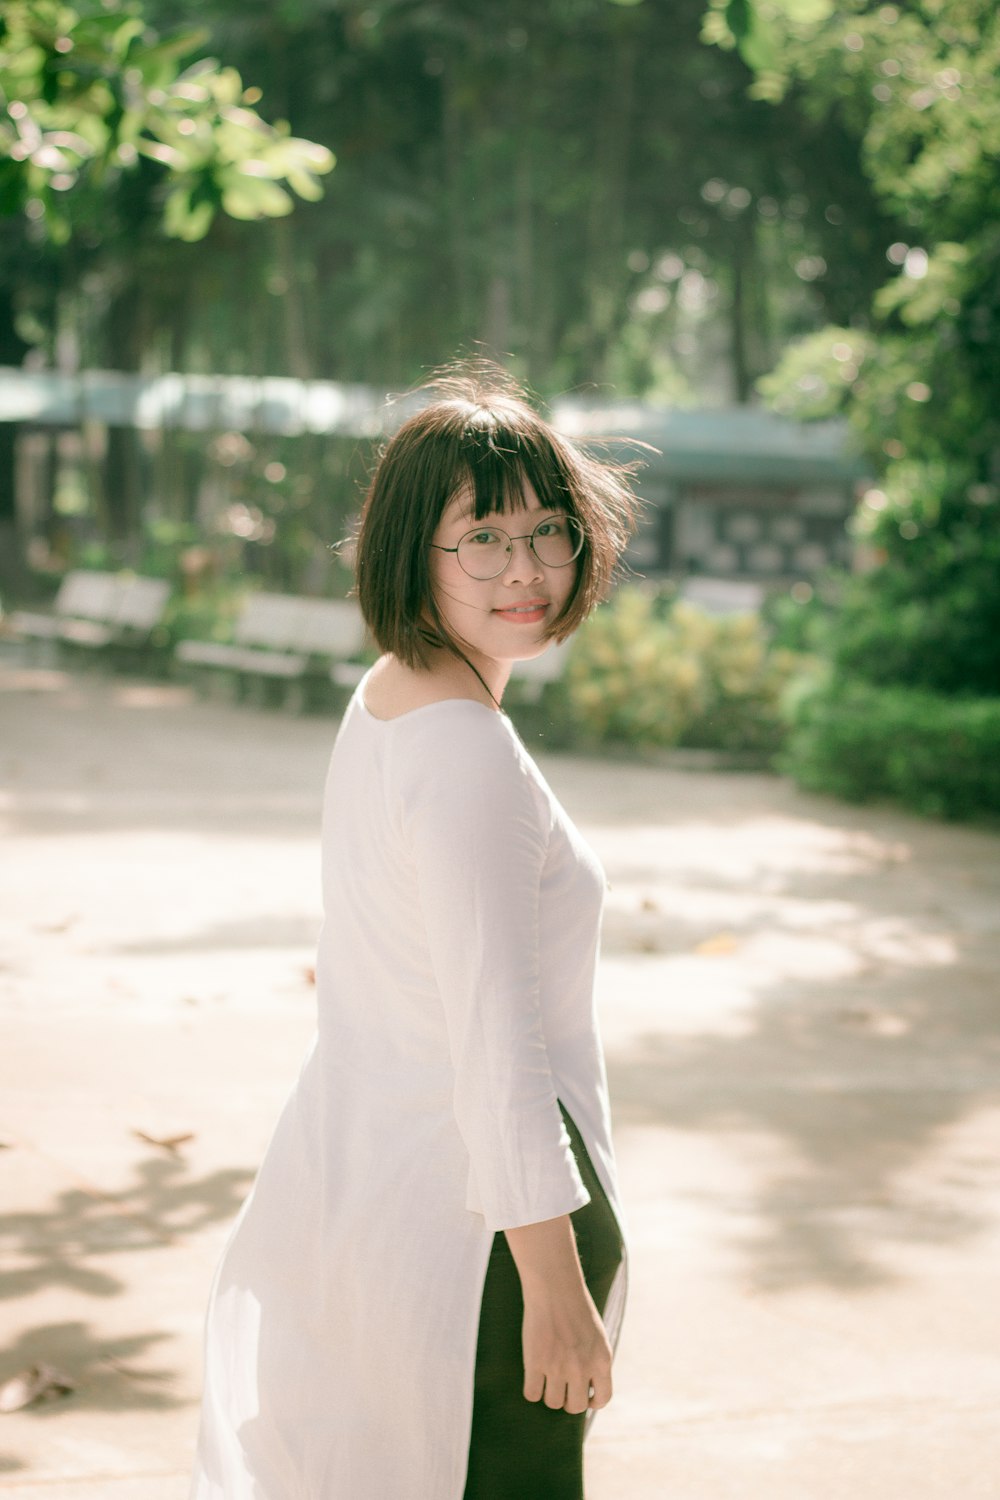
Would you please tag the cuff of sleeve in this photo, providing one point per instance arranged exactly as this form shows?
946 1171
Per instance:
512 1209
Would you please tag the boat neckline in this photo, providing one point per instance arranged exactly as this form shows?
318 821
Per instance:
497 713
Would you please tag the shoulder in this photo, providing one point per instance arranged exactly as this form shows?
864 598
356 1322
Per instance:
455 733
393 690
460 753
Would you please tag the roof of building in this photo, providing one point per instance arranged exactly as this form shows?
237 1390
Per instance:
731 445
726 445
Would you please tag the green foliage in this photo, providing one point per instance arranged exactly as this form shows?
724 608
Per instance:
800 620
583 184
89 93
477 163
817 375
759 31
918 91
922 391
939 756
648 671
928 614
205 612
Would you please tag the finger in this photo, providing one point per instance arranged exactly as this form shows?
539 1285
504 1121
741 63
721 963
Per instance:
555 1395
600 1387
577 1396
534 1385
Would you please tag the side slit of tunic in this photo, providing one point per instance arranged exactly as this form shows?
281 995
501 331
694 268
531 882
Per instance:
520 1447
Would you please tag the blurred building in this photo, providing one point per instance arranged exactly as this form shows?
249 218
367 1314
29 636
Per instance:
736 499
736 495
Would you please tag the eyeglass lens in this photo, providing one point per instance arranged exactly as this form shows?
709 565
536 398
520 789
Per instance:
485 552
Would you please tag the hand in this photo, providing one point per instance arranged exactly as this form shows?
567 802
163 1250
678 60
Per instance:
567 1357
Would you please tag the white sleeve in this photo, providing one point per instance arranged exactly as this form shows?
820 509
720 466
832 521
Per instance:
478 829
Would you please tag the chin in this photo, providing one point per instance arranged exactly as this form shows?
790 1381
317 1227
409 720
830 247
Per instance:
527 650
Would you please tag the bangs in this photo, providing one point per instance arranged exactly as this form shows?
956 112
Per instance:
496 459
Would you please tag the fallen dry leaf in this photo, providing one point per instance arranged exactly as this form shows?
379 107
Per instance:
61 926
166 1142
721 942
878 1022
36 1383
122 1367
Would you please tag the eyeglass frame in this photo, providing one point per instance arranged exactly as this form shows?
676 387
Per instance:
528 537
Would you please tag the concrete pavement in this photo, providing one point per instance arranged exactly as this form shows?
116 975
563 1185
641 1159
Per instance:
800 1006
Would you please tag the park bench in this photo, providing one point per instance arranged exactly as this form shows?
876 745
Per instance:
301 645
95 611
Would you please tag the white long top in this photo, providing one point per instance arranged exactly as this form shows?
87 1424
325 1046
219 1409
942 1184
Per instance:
455 985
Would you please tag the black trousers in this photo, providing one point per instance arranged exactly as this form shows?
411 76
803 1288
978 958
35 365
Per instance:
522 1450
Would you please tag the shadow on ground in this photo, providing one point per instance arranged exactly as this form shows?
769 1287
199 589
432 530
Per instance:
67 1244
109 1374
848 1093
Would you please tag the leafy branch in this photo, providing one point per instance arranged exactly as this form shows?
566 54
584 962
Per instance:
88 96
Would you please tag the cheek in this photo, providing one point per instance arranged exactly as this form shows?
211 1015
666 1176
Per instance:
566 583
450 587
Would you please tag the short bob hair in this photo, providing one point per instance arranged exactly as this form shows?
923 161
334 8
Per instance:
481 436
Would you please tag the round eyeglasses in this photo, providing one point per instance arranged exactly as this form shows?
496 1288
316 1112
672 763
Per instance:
485 551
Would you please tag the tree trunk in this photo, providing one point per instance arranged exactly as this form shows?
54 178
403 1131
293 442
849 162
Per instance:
606 230
298 356
742 380
496 335
458 239
743 345
12 352
123 459
524 255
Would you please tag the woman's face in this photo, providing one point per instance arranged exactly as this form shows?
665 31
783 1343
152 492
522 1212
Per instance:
506 618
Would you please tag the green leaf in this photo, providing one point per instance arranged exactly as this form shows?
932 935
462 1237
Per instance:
304 184
254 197
739 18
808 12
185 220
760 46
154 61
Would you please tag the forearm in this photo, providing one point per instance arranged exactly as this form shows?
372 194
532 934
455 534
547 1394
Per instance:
567 1358
546 1258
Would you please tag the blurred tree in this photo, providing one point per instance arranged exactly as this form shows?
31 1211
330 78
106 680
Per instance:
582 184
107 145
92 94
923 386
917 87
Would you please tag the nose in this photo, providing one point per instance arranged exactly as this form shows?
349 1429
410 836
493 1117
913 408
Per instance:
523 566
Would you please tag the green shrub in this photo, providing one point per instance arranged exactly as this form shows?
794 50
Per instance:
649 673
939 756
206 613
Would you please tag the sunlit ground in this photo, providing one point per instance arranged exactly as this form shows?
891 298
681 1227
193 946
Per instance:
799 1001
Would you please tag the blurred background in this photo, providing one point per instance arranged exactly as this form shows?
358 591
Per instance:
753 245
761 236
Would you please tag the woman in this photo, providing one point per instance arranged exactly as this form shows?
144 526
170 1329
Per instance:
419 1298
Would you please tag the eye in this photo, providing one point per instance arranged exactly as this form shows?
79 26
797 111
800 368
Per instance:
555 527
484 538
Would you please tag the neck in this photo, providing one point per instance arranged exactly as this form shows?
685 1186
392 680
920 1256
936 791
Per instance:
471 670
